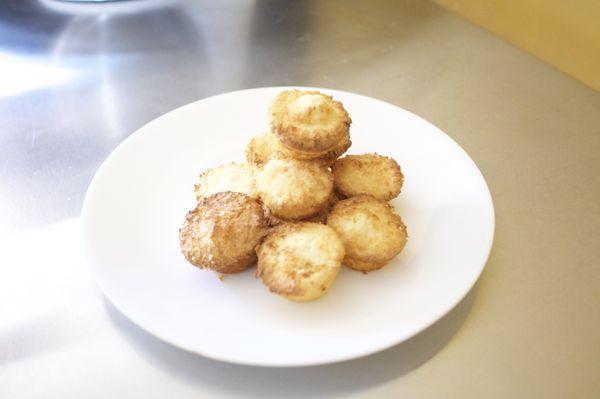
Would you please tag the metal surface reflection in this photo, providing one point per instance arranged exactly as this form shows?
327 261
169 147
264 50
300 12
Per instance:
83 77
79 96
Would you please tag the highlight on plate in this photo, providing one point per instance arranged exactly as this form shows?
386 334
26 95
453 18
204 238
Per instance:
295 208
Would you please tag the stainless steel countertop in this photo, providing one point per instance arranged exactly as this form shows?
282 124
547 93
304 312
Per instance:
76 80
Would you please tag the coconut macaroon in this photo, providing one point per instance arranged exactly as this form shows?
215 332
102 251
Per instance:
320 217
299 261
308 122
222 232
263 147
237 177
371 174
371 231
266 146
327 158
292 189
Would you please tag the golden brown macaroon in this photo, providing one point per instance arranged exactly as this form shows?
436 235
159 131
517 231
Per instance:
293 189
308 122
222 232
371 174
263 147
327 158
266 146
320 217
236 177
299 261
371 231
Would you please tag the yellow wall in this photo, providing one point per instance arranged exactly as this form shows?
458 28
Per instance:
564 33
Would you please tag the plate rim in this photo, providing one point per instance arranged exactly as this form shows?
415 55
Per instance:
92 263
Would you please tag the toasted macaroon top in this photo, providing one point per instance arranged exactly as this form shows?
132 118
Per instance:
300 260
222 232
236 177
294 189
308 121
369 228
372 174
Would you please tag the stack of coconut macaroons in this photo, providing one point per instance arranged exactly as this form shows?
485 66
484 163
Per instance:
295 206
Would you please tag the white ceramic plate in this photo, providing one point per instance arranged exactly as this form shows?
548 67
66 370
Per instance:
137 202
